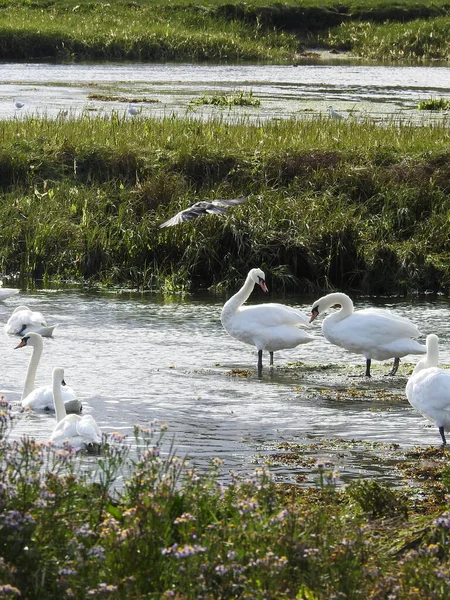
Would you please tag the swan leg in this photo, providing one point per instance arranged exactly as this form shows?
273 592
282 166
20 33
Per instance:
271 358
368 363
259 363
395 366
441 431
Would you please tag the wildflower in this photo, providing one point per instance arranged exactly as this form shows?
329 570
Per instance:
97 551
443 521
102 588
183 552
66 571
185 517
7 590
221 570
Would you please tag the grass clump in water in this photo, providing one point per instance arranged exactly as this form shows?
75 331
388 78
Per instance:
434 104
235 99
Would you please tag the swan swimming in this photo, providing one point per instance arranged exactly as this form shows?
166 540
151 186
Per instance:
428 388
41 398
374 333
200 208
269 327
23 320
80 432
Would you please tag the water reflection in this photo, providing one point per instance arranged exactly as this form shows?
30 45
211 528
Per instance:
134 358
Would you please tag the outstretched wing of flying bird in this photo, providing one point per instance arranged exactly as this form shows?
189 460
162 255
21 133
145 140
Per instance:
217 207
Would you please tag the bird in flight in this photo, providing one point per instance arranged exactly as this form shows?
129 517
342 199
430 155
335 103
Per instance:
199 208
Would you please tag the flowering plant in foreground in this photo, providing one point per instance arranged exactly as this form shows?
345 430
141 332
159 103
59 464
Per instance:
138 522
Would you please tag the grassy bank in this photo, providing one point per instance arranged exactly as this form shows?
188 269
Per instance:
357 206
66 30
147 525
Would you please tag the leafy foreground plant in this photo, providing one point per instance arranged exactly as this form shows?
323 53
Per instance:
141 523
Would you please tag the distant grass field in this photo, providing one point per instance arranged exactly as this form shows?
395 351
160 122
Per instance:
350 205
67 30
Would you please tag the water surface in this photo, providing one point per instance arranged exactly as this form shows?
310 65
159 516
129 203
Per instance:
360 90
134 358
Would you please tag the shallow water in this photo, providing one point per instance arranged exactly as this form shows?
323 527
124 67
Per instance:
361 90
134 358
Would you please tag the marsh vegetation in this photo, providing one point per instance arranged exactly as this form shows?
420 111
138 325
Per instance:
353 205
66 30
140 522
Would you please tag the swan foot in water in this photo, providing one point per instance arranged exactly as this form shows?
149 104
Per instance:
259 363
367 373
395 366
441 431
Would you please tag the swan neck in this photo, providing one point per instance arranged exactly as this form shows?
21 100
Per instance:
343 300
60 409
236 301
31 371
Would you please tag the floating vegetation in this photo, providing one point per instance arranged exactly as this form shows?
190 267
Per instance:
234 99
108 98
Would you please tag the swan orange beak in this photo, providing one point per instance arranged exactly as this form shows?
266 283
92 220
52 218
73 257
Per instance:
263 285
21 344
314 314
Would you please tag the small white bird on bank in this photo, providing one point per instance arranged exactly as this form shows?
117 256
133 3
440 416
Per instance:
41 398
334 114
428 388
269 327
24 320
80 432
374 333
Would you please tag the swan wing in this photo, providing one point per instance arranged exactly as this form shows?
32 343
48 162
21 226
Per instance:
271 315
41 398
21 319
65 430
399 325
369 329
88 429
429 391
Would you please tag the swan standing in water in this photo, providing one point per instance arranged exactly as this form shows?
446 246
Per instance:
269 327
428 388
374 333
41 398
23 320
81 432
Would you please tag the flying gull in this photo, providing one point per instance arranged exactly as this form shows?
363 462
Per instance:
199 208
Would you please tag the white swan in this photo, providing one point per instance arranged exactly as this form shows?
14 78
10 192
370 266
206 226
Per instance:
41 398
268 326
23 320
75 430
428 388
7 292
374 333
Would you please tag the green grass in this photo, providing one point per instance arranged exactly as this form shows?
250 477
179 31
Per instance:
138 522
352 205
234 99
434 104
67 30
